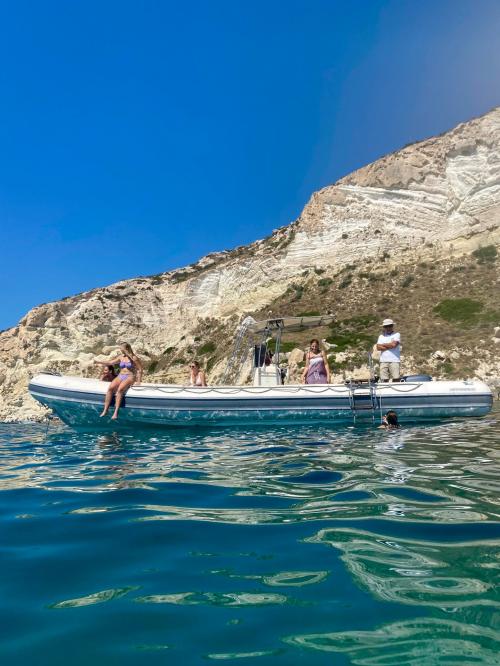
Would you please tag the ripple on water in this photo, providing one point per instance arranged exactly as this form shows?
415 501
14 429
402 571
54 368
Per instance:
95 598
413 572
244 655
414 642
215 599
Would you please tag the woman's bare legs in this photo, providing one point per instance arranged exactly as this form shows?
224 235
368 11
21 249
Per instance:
124 386
109 395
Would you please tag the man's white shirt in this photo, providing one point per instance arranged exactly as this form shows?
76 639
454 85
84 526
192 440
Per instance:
390 355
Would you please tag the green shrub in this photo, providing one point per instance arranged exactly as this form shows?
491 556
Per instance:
297 290
207 348
407 281
486 254
355 323
459 310
324 282
289 346
168 350
210 363
345 282
179 361
312 313
447 367
152 366
182 275
489 317
319 271
284 346
348 340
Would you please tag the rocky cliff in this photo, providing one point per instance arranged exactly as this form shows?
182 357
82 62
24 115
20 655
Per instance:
413 235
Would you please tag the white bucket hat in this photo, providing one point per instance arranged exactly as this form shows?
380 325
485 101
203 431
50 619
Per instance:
387 322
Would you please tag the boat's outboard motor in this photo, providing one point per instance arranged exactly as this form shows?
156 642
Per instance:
416 378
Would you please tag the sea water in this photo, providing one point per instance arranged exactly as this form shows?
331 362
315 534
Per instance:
280 546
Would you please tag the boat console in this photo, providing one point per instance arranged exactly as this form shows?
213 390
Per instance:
267 375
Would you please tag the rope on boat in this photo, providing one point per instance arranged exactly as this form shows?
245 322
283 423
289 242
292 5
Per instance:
399 390
253 390
261 390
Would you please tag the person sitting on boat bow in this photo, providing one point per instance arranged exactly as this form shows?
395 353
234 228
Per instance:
130 373
317 370
197 376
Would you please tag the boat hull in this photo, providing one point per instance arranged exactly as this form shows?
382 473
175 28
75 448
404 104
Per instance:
79 401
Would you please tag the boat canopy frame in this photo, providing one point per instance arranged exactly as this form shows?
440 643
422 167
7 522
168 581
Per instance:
252 332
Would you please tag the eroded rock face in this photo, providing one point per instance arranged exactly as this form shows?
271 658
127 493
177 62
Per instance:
435 198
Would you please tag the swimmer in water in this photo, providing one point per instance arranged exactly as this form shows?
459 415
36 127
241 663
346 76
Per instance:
390 421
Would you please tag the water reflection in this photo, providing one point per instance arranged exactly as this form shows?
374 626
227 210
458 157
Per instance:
414 642
422 573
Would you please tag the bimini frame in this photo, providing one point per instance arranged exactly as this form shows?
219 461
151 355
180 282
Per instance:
252 332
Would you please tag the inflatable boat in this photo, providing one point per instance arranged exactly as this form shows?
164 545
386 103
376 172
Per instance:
78 402
268 400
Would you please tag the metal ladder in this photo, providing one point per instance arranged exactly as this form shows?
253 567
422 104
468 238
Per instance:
375 402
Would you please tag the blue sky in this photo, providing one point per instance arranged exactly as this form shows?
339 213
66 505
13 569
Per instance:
135 137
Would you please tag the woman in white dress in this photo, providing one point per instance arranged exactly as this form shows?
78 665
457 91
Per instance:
317 370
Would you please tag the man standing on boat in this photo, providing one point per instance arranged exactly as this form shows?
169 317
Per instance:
389 344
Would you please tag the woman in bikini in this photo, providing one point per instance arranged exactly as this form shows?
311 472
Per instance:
197 376
316 370
130 373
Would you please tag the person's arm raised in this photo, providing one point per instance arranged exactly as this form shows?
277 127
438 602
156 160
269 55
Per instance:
112 361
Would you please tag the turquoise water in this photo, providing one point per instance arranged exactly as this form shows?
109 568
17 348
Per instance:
288 546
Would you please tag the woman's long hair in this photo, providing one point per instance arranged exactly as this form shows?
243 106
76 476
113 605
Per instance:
127 350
